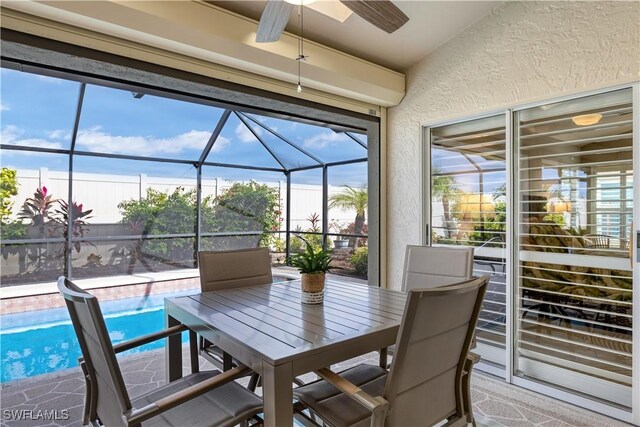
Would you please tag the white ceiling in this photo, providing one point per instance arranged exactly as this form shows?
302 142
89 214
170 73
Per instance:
431 24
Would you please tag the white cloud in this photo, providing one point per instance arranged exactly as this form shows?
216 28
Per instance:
94 139
221 142
59 134
325 139
11 135
4 107
244 134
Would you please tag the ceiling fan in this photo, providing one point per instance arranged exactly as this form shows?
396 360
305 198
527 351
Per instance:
381 13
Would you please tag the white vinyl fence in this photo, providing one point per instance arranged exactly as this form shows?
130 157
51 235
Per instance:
103 193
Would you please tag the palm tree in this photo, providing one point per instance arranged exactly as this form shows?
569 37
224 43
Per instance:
443 189
352 198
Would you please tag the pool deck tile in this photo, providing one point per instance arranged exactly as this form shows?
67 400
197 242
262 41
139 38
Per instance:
496 404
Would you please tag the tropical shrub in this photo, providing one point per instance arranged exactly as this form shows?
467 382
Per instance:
160 214
360 261
247 207
243 207
11 229
8 189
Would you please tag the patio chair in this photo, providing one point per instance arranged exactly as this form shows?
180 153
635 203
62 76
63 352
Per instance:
207 398
424 385
598 241
227 270
433 266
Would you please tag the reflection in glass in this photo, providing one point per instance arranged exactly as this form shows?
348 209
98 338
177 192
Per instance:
575 281
469 208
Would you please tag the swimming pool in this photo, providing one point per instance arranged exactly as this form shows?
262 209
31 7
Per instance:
39 342
43 341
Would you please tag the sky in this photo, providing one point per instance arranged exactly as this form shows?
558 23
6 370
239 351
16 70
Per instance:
39 111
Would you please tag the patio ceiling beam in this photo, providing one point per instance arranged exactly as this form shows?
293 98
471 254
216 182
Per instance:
252 168
34 149
214 136
126 157
273 132
362 144
340 163
244 122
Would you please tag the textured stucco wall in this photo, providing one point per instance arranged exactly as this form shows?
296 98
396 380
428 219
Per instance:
522 51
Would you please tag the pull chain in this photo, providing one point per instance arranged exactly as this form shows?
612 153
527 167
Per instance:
301 56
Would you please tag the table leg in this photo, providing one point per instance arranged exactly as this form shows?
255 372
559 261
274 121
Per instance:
277 393
227 361
193 352
383 357
173 352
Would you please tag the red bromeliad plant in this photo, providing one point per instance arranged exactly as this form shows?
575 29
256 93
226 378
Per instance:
54 223
78 216
37 208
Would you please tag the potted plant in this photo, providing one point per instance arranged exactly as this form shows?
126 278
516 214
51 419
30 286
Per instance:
313 265
339 241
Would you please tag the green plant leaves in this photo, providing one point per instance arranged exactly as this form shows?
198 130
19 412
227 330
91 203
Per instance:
311 260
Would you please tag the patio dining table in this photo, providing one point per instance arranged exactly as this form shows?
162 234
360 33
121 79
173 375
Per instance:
268 329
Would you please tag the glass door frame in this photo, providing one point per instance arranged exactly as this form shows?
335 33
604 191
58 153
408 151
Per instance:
426 226
512 222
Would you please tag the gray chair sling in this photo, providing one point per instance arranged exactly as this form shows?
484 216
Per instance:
423 386
207 398
226 270
434 266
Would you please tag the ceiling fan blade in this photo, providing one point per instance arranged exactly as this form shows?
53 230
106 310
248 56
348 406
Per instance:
381 13
273 20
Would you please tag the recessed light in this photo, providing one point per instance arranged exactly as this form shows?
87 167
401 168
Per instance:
587 119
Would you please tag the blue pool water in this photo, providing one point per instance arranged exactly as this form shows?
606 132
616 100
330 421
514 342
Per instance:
43 341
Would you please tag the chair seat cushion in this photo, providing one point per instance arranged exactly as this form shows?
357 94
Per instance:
337 408
223 406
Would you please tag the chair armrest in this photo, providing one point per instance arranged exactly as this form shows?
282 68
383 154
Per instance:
146 339
473 357
377 405
138 415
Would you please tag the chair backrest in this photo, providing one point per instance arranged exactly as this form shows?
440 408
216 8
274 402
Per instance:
430 267
437 327
235 268
110 398
602 241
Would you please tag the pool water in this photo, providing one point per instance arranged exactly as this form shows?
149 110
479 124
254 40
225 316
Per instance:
39 342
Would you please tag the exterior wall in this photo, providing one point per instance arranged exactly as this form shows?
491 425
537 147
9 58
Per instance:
521 52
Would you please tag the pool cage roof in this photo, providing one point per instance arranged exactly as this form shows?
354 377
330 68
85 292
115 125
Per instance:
119 120
122 121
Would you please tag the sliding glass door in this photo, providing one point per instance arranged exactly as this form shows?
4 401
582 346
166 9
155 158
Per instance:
545 195
468 208
574 277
